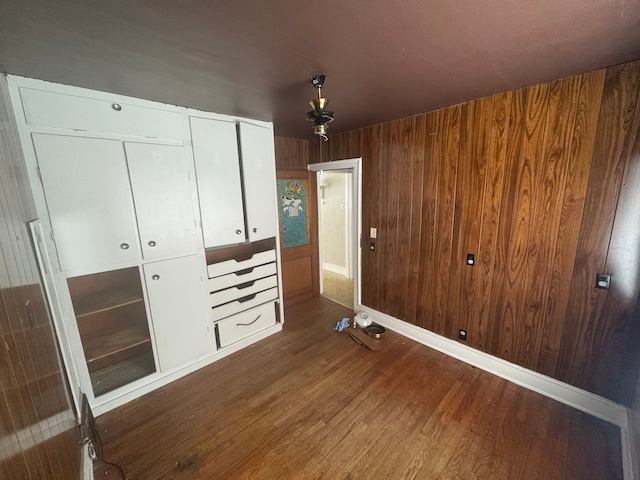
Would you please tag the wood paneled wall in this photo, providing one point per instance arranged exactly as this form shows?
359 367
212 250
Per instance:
38 434
300 265
542 186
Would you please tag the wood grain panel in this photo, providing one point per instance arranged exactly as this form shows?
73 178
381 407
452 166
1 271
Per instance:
494 185
472 165
389 261
447 178
546 211
581 349
416 140
580 152
513 334
372 157
291 153
502 281
427 279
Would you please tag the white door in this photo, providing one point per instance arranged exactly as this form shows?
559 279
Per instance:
215 150
179 309
259 175
163 202
88 195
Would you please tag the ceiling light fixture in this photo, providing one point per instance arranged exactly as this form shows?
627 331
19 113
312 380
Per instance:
320 116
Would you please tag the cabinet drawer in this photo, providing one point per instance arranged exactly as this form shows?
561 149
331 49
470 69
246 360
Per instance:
243 290
50 109
243 304
229 266
240 326
241 276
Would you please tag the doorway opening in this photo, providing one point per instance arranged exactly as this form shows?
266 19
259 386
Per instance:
338 190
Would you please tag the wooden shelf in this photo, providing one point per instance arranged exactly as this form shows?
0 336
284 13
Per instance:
115 347
100 301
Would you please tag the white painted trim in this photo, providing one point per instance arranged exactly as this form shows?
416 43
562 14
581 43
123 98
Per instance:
355 165
582 400
335 268
87 462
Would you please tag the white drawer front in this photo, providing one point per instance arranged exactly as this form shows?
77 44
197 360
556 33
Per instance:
231 308
229 266
242 291
50 109
241 276
237 327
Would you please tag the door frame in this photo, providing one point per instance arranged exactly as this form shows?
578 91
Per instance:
355 166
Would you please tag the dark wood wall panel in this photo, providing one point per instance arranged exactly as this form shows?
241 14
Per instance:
540 184
37 423
291 153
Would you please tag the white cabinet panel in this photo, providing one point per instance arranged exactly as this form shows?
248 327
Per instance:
179 310
53 109
215 149
162 196
259 174
89 200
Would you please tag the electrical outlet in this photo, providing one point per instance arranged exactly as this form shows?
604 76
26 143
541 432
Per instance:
471 259
462 335
603 280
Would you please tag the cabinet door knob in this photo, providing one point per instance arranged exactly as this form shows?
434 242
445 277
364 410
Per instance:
152 243
155 276
116 106
124 246
255 230
238 232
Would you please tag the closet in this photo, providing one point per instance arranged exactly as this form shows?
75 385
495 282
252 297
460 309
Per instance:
135 199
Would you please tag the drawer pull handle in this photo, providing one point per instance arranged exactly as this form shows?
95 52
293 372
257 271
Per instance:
244 272
116 106
248 324
247 298
245 285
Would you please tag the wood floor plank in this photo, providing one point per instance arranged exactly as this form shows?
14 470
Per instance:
309 403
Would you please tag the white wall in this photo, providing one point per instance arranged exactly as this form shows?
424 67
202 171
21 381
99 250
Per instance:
333 209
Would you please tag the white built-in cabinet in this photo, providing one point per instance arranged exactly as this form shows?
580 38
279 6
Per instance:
135 198
235 167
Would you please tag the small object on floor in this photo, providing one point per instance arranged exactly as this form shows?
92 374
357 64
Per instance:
359 336
375 331
342 324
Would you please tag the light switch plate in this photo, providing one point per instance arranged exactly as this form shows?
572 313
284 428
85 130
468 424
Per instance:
373 232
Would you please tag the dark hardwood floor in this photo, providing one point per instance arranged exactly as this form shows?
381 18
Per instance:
309 403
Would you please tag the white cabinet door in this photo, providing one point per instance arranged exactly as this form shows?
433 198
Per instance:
160 177
89 200
259 174
179 310
215 149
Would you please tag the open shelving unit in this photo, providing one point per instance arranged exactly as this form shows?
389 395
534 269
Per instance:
113 326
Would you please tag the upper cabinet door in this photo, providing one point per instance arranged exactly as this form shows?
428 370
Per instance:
89 200
215 149
160 177
259 173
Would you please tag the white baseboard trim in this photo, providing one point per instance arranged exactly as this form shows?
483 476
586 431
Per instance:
587 402
335 268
